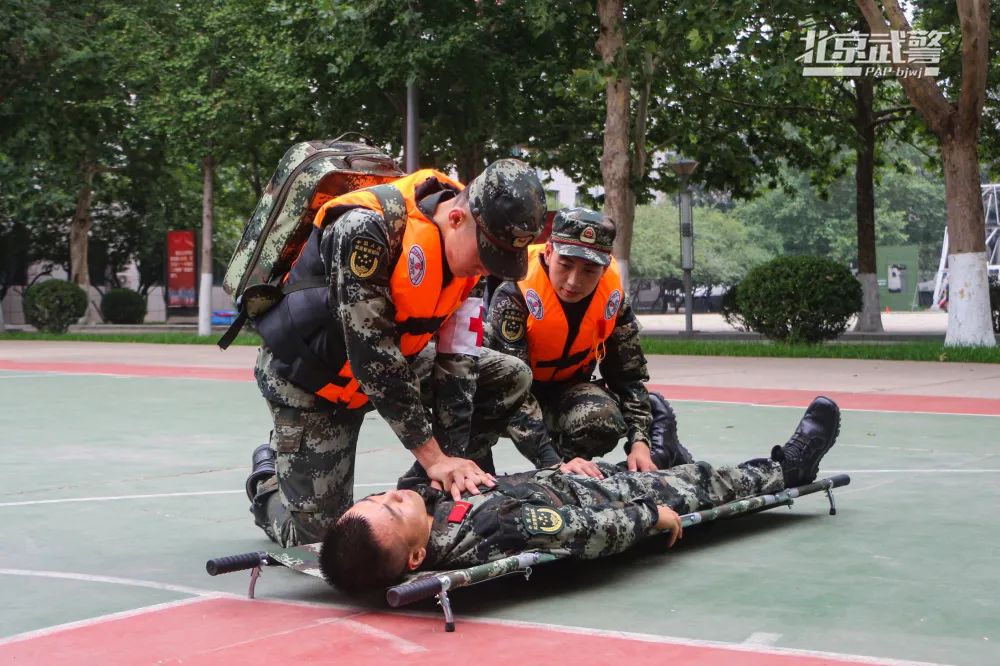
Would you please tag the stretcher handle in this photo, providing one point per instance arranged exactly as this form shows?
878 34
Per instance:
231 563
407 593
840 480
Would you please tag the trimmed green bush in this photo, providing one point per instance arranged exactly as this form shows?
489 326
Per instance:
799 299
730 309
53 305
123 306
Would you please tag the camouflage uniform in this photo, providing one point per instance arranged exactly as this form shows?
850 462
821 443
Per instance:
570 515
315 440
586 418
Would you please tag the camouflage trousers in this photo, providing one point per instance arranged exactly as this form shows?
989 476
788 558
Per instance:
316 443
691 487
584 420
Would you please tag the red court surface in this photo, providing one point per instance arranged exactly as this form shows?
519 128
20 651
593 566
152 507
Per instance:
884 402
210 631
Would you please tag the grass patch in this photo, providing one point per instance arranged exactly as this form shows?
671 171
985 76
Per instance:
161 337
899 351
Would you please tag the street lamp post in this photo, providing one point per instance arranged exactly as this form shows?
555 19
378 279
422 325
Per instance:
684 168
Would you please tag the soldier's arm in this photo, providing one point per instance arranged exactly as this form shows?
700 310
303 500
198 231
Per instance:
508 322
359 255
624 369
528 432
507 333
455 375
596 531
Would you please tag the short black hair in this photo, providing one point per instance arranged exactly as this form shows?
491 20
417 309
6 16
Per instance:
353 560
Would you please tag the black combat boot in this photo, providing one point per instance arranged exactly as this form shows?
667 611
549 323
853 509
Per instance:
816 433
665 448
262 467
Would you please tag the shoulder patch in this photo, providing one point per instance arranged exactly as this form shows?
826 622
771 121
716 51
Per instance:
614 301
534 302
511 325
366 254
416 264
541 519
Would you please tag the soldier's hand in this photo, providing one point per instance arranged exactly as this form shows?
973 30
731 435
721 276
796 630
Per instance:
458 475
669 520
581 466
639 459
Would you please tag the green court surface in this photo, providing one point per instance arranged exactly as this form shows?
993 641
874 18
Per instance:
141 478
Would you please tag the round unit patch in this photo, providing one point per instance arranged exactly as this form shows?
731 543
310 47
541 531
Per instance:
416 264
534 302
541 520
614 300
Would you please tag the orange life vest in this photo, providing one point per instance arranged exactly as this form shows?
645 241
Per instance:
421 301
548 329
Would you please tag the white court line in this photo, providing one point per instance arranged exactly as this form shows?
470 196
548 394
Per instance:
646 638
112 498
693 642
398 642
112 580
120 497
100 619
761 638
910 471
383 484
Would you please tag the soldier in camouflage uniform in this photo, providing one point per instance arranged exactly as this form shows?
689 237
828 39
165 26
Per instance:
361 270
569 316
386 535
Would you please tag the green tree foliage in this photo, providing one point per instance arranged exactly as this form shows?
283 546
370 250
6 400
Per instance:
725 247
143 90
487 73
800 219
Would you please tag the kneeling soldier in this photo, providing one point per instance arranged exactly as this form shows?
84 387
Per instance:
568 316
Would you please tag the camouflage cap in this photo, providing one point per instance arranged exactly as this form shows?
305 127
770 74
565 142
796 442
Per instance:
584 233
508 204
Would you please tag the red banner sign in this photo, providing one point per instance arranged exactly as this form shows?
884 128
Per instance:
181 284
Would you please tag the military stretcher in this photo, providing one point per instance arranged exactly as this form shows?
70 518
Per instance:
426 584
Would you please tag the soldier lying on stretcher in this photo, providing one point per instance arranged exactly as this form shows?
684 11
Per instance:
387 535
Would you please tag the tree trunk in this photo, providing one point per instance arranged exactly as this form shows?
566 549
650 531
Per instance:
469 163
956 126
207 221
969 320
79 231
619 201
870 319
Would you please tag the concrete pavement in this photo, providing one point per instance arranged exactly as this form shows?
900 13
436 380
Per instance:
898 326
972 380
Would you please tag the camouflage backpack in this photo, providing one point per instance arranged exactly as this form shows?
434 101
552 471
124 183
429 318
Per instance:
310 174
